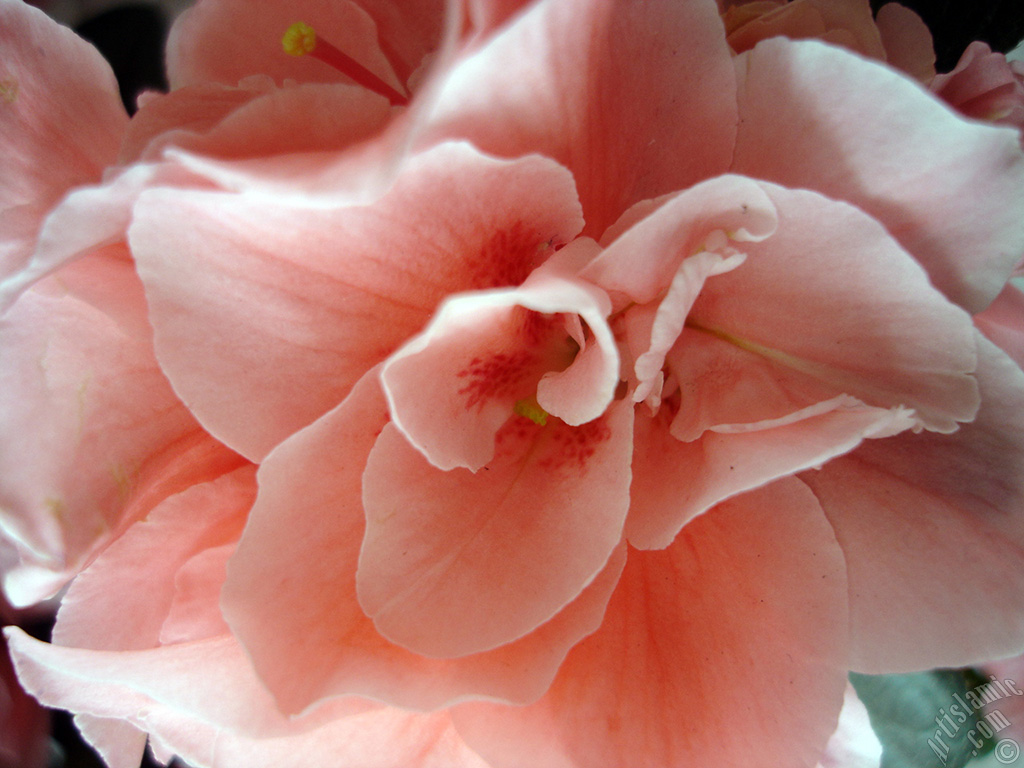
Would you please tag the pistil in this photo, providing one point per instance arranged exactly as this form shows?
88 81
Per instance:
300 39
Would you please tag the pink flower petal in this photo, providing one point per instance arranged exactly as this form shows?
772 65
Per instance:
1003 322
907 40
932 532
121 602
642 260
578 81
88 218
455 563
265 316
291 596
102 436
61 117
61 121
451 388
832 299
675 481
702 650
949 190
224 42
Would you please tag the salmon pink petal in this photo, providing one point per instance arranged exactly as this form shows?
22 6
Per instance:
88 218
265 316
211 680
451 388
907 41
598 75
201 701
120 744
121 602
98 421
257 122
950 191
61 118
1003 322
195 610
984 86
675 481
934 520
455 563
296 556
754 590
61 121
223 41
890 340
642 260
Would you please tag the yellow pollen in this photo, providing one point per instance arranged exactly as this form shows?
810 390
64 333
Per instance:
299 39
530 408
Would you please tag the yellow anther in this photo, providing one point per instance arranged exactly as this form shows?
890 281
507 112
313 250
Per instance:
299 39
530 408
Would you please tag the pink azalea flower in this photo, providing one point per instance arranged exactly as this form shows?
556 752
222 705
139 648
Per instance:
642 400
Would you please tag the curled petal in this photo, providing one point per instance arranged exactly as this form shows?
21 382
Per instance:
452 387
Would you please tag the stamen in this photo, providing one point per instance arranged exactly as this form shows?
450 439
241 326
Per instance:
530 408
300 39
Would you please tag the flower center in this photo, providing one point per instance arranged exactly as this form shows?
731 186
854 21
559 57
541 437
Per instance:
300 39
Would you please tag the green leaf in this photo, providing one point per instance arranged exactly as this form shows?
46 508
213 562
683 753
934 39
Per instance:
928 719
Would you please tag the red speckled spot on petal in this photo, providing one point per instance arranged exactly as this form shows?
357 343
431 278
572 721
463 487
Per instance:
508 257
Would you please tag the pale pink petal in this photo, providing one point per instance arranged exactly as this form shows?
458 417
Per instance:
61 117
101 433
949 190
210 681
121 602
224 41
291 595
195 610
701 654
907 41
675 481
831 298
187 111
237 731
984 86
854 743
61 120
265 316
260 123
88 218
933 536
1003 322
455 563
670 318
120 744
579 81
642 260
451 388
